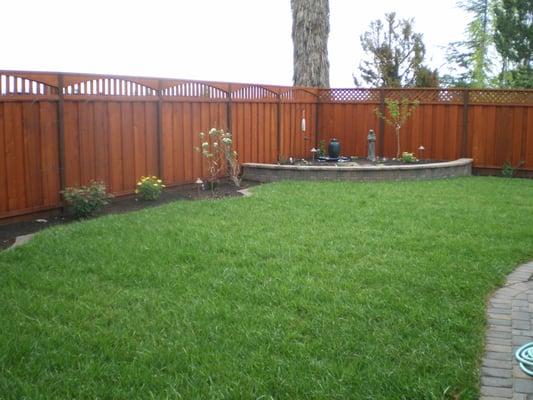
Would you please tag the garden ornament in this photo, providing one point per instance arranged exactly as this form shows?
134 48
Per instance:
199 184
371 145
421 152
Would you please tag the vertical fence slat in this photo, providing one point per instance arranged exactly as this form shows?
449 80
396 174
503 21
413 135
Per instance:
3 172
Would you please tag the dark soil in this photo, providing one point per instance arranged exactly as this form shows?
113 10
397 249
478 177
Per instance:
9 231
358 161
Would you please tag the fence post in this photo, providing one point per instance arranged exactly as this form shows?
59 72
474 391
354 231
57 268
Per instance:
159 138
464 141
278 133
381 122
317 125
61 131
228 111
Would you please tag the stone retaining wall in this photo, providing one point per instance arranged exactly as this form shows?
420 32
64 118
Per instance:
274 172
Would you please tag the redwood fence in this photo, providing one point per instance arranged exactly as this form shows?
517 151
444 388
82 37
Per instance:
59 130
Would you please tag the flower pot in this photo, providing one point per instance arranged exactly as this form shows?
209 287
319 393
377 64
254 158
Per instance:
334 148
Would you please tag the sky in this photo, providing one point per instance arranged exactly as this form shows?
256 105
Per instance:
245 41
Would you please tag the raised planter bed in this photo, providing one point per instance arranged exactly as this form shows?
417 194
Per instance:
275 172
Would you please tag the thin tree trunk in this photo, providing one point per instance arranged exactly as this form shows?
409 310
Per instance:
397 142
310 31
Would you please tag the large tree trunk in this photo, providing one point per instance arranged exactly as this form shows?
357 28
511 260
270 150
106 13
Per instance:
310 31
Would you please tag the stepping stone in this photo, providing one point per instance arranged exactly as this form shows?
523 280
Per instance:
23 239
245 192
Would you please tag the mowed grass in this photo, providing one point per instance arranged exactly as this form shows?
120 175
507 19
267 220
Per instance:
303 291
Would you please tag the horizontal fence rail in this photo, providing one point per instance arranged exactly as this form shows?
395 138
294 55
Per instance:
59 130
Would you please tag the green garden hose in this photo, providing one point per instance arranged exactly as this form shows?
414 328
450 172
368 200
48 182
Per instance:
524 355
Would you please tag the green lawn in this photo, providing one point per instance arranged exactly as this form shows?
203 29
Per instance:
303 291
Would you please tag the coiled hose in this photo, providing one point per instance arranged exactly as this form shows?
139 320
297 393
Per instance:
524 355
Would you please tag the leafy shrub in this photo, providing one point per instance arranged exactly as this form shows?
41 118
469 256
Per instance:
408 157
86 200
217 149
508 170
322 151
149 187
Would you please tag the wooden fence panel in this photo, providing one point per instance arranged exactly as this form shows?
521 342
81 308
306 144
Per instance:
294 141
350 124
181 124
501 134
29 170
68 129
110 142
253 125
438 128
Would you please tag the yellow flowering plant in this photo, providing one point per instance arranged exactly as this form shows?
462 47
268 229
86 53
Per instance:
149 187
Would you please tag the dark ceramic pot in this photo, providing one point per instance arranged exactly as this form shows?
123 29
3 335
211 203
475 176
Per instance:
334 148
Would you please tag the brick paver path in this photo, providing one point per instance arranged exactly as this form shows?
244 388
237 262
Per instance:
510 319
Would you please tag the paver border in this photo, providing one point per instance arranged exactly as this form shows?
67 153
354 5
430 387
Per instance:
509 317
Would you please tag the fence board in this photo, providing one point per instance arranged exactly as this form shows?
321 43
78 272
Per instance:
139 140
4 207
188 143
86 142
15 156
528 141
128 160
115 147
50 154
151 116
32 145
101 142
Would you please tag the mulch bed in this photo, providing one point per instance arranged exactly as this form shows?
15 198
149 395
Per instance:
9 231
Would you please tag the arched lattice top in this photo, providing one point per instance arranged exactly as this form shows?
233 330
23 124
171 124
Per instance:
109 87
194 89
500 96
253 93
298 95
350 95
15 85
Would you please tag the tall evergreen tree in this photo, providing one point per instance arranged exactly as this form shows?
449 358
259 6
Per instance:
395 54
513 37
310 31
470 60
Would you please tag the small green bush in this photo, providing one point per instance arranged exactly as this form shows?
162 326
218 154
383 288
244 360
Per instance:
86 200
149 187
408 157
508 170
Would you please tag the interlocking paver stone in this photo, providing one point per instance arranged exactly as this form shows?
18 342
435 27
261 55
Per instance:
510 319
496 372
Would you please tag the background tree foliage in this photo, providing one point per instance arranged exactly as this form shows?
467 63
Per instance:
310 31
470 59
513 37
395 55
498 46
